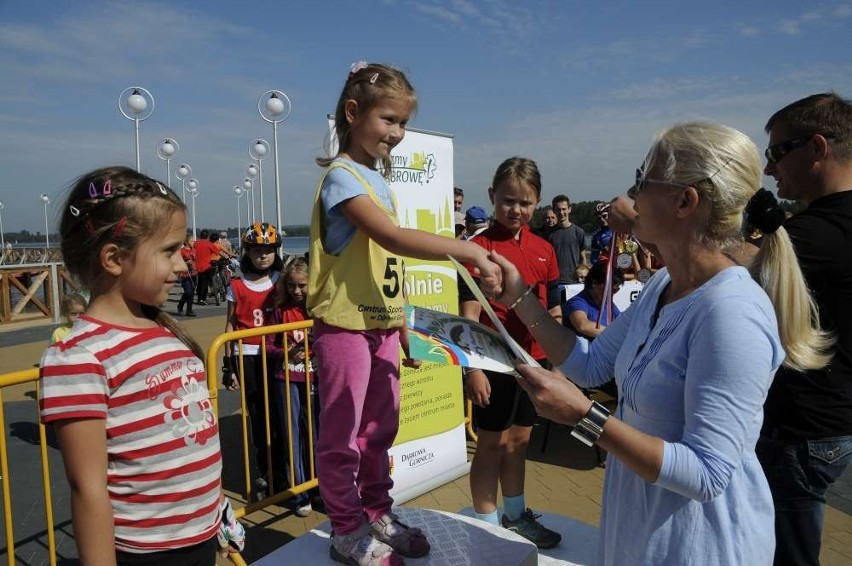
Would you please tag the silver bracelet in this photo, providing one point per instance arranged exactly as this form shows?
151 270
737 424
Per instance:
521 298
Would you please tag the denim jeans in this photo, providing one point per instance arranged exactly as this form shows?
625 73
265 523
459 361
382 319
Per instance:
799 474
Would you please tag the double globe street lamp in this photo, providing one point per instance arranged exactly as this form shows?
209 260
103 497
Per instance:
183 172
45 200
238 192
258 150
137 105
166 150
251 175
274 107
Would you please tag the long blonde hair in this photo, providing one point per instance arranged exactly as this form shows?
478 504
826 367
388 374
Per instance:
723 165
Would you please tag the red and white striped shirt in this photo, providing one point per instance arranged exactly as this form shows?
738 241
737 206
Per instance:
164 461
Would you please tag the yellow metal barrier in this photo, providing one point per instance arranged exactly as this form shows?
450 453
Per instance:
8 380
226 340
235 340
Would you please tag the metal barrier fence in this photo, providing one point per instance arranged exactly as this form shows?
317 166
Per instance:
228 340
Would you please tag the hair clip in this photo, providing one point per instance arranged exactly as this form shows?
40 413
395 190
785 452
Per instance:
107 191
119 227
162 189
374 78
74 210
357 66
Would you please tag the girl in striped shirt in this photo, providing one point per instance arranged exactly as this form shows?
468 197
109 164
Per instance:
126 389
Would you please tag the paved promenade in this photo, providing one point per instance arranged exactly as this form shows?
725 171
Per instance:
563 479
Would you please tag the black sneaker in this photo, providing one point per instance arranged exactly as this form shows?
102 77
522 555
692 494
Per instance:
527 526
190 313
202 303
179 312
261 488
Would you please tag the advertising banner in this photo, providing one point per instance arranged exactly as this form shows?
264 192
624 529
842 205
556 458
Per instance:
430 449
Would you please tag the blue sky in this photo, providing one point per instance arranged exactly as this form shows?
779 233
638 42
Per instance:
580 87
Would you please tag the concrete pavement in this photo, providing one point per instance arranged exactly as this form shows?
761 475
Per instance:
563 479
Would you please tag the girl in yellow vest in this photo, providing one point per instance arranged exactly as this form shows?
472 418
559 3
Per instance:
355 296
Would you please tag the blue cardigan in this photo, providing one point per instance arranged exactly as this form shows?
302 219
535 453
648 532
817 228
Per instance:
697 379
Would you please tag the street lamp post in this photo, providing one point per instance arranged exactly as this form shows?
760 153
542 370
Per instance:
258 150
274 106
193 190
2 236
166 151
251 173
182 173
46 201
238 192
136 104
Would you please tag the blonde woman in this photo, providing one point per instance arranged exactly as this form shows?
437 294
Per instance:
693 359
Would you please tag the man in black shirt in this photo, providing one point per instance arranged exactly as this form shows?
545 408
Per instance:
806 441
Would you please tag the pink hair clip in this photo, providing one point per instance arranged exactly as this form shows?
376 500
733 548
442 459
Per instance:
119 227
107 190
357 66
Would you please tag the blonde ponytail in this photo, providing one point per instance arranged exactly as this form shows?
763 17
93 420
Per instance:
776 269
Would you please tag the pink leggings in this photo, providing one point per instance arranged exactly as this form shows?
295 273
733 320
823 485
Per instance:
358 381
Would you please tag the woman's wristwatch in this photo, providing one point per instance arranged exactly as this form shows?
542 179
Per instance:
590 427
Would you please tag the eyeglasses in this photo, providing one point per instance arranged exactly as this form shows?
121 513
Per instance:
642 181
774 153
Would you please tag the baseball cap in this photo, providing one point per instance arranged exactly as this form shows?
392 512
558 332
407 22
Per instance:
476 215
223 234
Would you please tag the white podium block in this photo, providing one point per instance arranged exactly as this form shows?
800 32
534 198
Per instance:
456 541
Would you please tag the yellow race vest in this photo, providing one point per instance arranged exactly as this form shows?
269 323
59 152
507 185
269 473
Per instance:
360 289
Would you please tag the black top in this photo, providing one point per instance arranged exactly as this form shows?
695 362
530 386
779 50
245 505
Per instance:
818 404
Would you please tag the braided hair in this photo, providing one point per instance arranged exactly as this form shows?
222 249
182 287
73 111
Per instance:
116 205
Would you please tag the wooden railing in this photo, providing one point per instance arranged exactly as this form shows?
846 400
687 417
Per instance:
32 291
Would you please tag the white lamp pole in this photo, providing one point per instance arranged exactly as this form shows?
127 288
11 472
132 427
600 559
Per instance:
166 150
258 151
46 201
251 173
2 236
274 106
137 105
238 192
183 172
193 190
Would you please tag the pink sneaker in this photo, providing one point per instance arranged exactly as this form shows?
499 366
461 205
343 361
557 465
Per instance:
361 549
408 541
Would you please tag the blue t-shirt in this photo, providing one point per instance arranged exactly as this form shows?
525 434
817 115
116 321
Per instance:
583 301
338 187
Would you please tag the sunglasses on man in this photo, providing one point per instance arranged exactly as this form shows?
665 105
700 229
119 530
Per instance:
775 152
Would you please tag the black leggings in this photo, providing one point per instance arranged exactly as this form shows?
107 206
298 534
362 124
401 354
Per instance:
201 554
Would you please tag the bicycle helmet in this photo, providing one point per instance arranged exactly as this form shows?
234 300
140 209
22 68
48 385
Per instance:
261 234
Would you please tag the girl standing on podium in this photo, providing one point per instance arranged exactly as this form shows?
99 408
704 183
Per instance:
355 295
